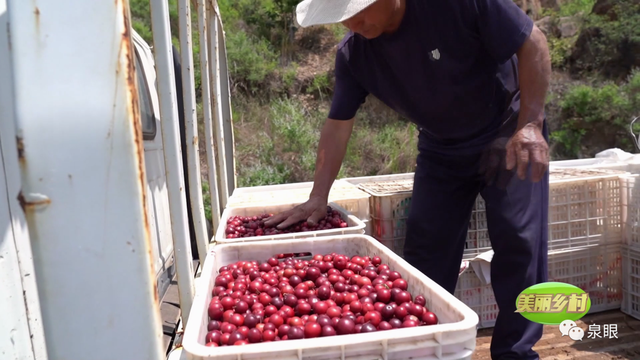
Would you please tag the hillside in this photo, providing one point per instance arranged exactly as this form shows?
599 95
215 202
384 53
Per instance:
282 80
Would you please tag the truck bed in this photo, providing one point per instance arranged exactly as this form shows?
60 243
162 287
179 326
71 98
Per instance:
554 346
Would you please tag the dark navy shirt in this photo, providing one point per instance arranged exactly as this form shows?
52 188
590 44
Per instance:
450 68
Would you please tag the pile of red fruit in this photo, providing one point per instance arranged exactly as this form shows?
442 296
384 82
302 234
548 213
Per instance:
248 226
298 299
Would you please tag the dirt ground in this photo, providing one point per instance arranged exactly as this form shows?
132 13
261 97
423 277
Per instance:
554 346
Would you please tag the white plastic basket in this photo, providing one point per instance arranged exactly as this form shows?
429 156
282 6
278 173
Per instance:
478 233
396 245
585 208
454 338
479 297
355 225
342 193
631 209
631 286
597 270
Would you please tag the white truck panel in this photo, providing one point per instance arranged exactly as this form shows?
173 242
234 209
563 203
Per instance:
14 328
83 183
21 332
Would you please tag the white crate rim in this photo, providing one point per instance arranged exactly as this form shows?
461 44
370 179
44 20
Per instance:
199 310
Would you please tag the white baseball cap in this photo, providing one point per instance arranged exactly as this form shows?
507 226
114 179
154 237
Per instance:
317 12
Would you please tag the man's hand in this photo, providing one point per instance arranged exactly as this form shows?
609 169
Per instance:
314 210
528 146
493 163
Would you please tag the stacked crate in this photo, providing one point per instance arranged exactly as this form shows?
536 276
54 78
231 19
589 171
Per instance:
584 210
585 241
478 296
585 234
389 207
631 247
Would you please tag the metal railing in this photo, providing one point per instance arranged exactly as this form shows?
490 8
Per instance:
217 121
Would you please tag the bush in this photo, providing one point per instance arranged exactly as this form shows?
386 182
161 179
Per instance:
593 117
610 42
559 50
250 60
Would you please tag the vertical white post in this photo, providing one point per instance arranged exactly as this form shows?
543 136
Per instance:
191 131
80 153
217 108
225 98
206 108
172 153
21 331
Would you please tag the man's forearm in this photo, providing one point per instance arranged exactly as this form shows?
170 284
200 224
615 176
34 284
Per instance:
331 150
534 70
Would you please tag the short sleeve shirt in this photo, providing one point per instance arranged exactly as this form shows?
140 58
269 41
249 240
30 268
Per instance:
451 67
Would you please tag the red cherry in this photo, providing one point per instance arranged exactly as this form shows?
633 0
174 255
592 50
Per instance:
429 318
312 330
400 284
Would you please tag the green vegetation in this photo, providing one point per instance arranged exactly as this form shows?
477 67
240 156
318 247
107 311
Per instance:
595 115
276 142
570 8
559 50
610 43
598 115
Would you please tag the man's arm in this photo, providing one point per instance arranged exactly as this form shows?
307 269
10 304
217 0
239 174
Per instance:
506 30
534 69
332 146
528 145
331 150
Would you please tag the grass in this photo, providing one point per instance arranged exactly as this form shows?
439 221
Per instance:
276 142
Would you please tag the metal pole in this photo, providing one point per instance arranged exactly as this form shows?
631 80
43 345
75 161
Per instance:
191 123
217 108
226 104
206 108
172 153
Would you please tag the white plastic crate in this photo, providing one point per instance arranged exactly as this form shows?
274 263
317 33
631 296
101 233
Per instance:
355 225
453 338
631 285
396 245
342 193
478 297
585 208
631 209
597 270
390 204
478 233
